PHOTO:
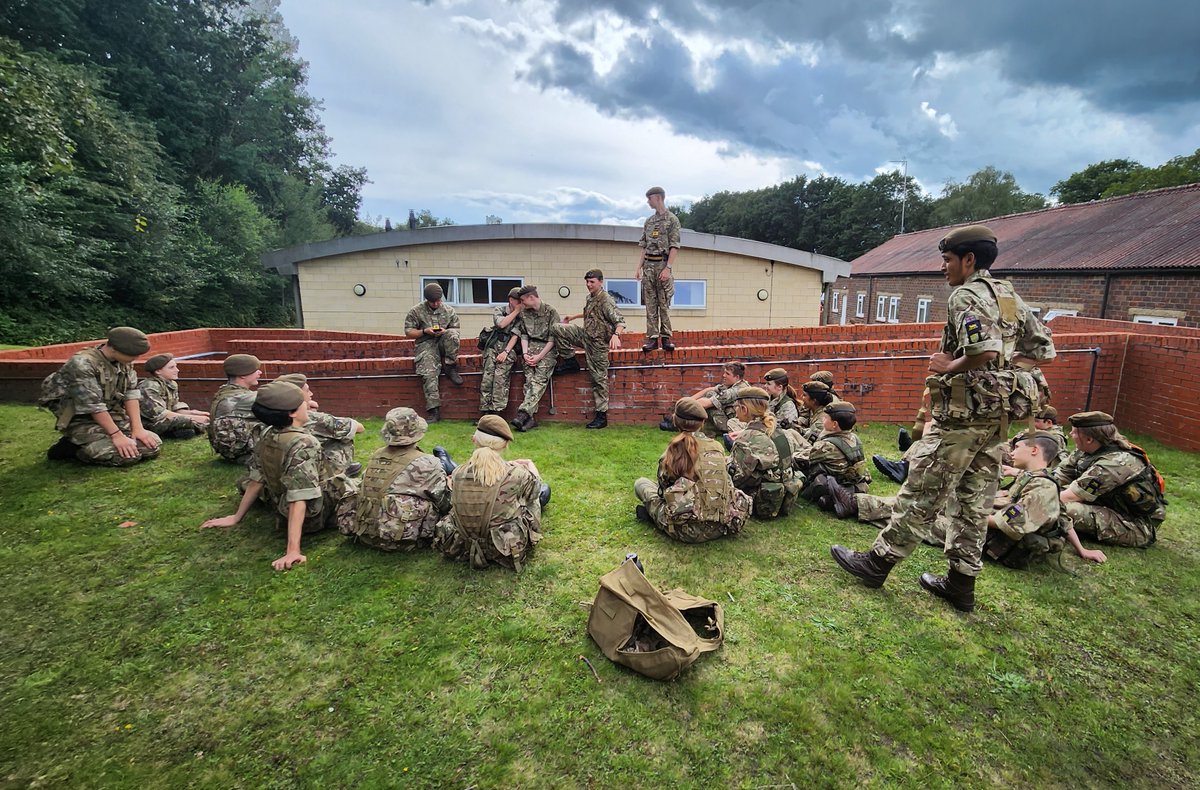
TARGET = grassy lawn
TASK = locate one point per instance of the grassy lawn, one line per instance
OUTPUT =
(159, 655)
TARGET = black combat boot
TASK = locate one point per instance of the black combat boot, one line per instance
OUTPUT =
(544, 495)
(63, 450)
(667, 424)
(452, 373)
(866, 565)
(892, 470)
(845, 503)
(957, 588)
(642, 513)
(519, 420)
(353, 469)
(528, 424)
(599, 421)
(568, 365)
(667, 344)
(904, 440)
(650, 344)
(433, 415)
(440, 453)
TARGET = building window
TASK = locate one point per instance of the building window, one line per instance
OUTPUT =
(893, 310)
(835, 304)
(922, 310)
(691, 294)
(475, 290)
(1157, 320)
(1055, 312)
(860, 306)
(881, 309)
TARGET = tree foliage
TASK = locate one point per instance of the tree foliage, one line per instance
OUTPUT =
(1174, 172)
(1093, 181)
(987, 193)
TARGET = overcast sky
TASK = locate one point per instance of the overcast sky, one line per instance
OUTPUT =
(568, 110)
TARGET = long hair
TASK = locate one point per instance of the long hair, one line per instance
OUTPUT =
(486, 464)
(1106, 436)
(756, 409)
(787, 388)
(679, 460)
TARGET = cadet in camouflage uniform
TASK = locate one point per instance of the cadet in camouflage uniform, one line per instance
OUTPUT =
(535, 327)
(694, 500)
(404, 491)
(496, 514)
(815, 395)
(837, 453)
(433, 325)
(1045, 422)
(600, 333)
(660, 245)
(990, 339)
(162, 410)
(1111, 491)
(336, 434)
(804, 418)
(758, 463)
(96, 401)
(286, 463)
(782, 403)
(499, 355)
(232, 428)
(719, 402)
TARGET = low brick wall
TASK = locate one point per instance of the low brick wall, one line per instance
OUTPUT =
(1146, 377)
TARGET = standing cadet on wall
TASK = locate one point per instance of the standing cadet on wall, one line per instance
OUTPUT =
(498, 356)
(660, 243)
(600, 333)
(990, 341)
(535, 327)
(433, 325)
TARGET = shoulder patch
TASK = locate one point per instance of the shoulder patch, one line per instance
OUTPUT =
(973, 329)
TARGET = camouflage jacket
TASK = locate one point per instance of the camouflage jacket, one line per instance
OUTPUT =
(601, 317)
(1029, 505)
(1111, 477)
(287, 461)
(534, 326)
(825, 456)
(159, 395)
(785, 411)
(660, 233)
(421, 317)
(326, 426)
(513, 529)
(233, 429)
(401, 505)
(724, 397)
(755, 459)
(87, 384)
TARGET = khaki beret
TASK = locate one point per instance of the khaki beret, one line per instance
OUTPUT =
(158, 362)
(1048, 413)
(433, 292)
(655, 191)
(494, 425)
(128, 340)
(689, 409)
(1091, 419)
(966, 234)
(299, 379)
(403, 427)
(281, 396)
(241, 364)
(514, 293)
(823, 376)
(776, 374)
(526, 290)
(752, 393)
(814, 386)
(840, 407)
(594, 274)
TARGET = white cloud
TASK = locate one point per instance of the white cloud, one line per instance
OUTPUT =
(945, 123)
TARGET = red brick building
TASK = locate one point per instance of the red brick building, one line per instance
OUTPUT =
(1130, 258)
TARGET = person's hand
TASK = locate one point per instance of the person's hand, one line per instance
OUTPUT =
(1010, 471)
(358, 426)
(614, 343)
(940, 362)
(637, 274)
(1093, 555)
(147, 438)
(312, 403)
(288, 561)
(126, 447)
(734, 435)
(531, 359)
(225, 521)
(502, 356)
(665, 274)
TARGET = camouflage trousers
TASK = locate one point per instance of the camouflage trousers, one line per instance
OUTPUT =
(689, 530)
(405, 523)
(877, 510)
(507, 545)
(428, 359)
(537, 379)
(493, 388)
(950, 464)
(233, 438)
(568, 336)
(656, 296)
(96, 447)
(1109, 526)
(180, 427)
(718, 423)
(335, 508)
(336, 455)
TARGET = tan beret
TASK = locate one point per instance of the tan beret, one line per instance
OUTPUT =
(964, 235)
(840, 407)
(689, 409)
(1091, 419)
(299, 379)
(655, 191)
(128, 340)
(281, 396)
(158, 362)
(594, 274)
(752, 393)
(823, 376)
(776, 374)
(814, 386)
(494, 425)
(241, 364)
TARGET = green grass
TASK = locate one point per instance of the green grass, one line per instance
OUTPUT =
(160, 655)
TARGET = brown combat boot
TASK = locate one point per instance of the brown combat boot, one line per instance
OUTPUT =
(957, 588)
(866, 565)
(845, 504)
(452, 373)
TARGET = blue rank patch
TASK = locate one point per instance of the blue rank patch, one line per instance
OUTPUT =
(973, 329)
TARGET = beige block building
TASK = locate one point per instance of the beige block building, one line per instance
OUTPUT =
(369, 283)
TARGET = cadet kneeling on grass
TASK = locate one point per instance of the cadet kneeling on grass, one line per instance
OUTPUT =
(287, 463)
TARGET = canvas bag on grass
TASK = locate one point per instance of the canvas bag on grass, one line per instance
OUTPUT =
(626, 597)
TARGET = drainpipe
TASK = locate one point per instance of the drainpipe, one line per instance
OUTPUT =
(1104, 302)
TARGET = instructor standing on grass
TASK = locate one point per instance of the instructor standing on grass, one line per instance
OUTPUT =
(660, 243)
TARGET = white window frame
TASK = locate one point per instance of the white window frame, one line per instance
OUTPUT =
(1055, 312)
(923, 309)
(1156, 320)
(860, 306)
(893, 316)
(833, 308)
(674, 304)
(881, 308)
(451, 293)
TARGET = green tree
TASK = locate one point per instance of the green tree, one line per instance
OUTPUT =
(1091, 182)
(1175, 172)
(987, 193)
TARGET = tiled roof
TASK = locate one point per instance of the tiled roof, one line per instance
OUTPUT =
(1149, 230)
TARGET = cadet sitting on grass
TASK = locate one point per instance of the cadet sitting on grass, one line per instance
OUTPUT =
(286, 462)
(97, 402)
(162, 410)
(694, 499)
(404, 490)
(760, 464)
(336, 434)
(232, 428)
(837, 453)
